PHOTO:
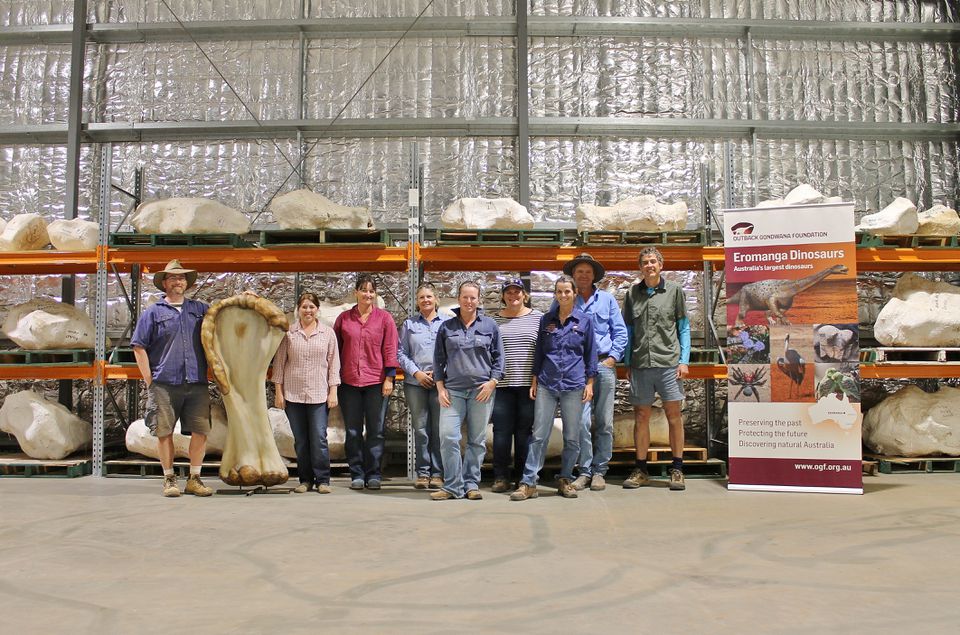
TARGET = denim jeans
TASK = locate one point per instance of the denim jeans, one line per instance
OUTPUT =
(595, 453)
(461, 477)
(364, 410)
(308, 421)
(424, 408)
(512, 426)
(570, 411)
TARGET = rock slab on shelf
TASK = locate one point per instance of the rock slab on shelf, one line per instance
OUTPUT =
(921, 313)
(44, 429)
(74, 235)
(24, 232)
(485, 213)
(637, 213)
(188, 216)
(303, 209)
(912, 422)
(45, 324)
(896, 219)
(939, 220)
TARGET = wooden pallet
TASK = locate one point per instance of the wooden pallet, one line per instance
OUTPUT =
(132, 239)
(909, 355)
(23, 466)
(904, 241)
(661, 454)
(696, 237)
(870, 468)
(918, 465)
(505, 237)
(57, 357)
(312, 237)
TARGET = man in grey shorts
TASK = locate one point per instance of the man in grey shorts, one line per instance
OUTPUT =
(659, 352)
(169, 354)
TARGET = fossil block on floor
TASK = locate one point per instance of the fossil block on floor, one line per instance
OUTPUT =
(912, 422)
(44, 429)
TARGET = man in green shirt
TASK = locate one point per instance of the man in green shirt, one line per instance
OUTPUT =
(659, 351)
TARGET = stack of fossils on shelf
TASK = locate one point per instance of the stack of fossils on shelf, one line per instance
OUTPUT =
(45, 324)
(29, 232)
(912, 422)
(803, 194)
(637, 213)
(44, 429)
(303, 209)
(921, 312)
(901, 218)
(485, 213)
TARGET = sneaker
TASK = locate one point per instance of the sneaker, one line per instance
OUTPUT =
(302, 488)
(474, 495)
(442, 495)
(500, 485)
(524, 492)
(170, 489)
(422, 482)
(196, 487)
(373, 483)
(566, 489)
(323, 488)
(581, 482)
(637, 478)
(676, 480)
(598, 483)
(356, 483)
(436, 482)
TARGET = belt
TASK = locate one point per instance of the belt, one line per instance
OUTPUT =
(602, 356)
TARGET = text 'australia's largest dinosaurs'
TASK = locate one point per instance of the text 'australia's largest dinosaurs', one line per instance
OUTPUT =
(775, 297)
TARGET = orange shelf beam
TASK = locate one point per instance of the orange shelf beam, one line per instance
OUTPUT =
(697, 371)
(910, 371)
(13, 263)
(28, 371)
(529, 258)
(904, 259)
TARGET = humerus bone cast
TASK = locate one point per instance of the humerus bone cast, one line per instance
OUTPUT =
(73, 235)
(240, 336)
(188, 216)
(638, 213)
(303, 209)
(24, 232)
(44, 324)
(44, 429)
(912, 422)
(921, 313)
(485, 213)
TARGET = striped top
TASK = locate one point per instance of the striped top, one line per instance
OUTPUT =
(305, 366)
(519, 337)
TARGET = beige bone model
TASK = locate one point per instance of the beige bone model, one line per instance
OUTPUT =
(240, 336)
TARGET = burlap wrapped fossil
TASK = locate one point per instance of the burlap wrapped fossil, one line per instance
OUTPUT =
(303, 209)
(637, 213)
(485, 213)
(939, 220)
(44, 429)
(240, 336)
(45, 324)
(74, 235)
(921, 313)
(912, 422)
(188, 216)
(24, 232)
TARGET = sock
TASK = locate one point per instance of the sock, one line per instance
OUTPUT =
(194, 470)
(642, 464)
(168, 471)
(677, 463)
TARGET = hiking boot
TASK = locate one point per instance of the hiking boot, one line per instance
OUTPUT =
(436, 482)
(524, 492)
(302, 488)
(500, 485)
(196, 487)
(356, 483)
(598, 483)
(422, 482)
(323, 488)
(676, 480)
(373, 483)
(442, 495)
(474, 495)
(637, 478)
(566, 489)
(170, 489)
(581, 482)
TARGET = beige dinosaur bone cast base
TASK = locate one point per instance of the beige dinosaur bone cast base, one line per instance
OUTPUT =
(240, 336)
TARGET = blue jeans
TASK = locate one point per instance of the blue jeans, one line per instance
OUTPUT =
(364, 410)
(459, 478)
(425, 414)
(595, 453)
(308, 421)
(512, 426)
(570, 411)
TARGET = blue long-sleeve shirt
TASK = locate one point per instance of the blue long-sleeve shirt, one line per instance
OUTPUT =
(466, 356)
(418, 338)
(565, 355)
(609, 329)
(171, 339)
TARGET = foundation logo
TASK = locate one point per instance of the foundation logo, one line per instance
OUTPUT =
(742, 229)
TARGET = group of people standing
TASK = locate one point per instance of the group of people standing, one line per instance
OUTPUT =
(515, 368)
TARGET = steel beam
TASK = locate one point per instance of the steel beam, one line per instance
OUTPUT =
(523, 105)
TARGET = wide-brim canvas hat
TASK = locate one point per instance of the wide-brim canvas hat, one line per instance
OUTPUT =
(173, 267)
(598, 270)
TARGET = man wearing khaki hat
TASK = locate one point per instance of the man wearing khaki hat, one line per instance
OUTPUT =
(169, 354)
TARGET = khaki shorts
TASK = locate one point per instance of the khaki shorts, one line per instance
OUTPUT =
(166, 403)
(646, 382)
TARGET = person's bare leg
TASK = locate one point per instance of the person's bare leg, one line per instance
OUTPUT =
(641, 430)
(165, 451)
(198, 447)
(675, 423)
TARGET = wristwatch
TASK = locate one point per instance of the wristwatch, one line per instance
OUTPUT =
(496, 382)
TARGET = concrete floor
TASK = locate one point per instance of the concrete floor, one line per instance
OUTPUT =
(112, 556)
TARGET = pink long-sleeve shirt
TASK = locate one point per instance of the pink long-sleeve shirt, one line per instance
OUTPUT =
(367, 350)
(307, 366)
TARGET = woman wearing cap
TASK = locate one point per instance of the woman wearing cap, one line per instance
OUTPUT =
(306, 373)
(367, 336)
(513, 408)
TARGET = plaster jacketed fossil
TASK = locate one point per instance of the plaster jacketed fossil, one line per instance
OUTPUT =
(240, 335)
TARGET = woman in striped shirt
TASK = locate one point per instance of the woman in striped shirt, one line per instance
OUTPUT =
(306, 373)
(513, 408)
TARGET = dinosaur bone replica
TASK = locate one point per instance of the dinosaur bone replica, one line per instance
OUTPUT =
(912, 422)
(24, 232)
(240, 336)
(74, 235)
(45, 324)
(44, 429)
(921, 313)
(803, 194)
(637, 213)
(485, 213)
(303, 209)
(188, 216)
(897, 218)
(775, 297)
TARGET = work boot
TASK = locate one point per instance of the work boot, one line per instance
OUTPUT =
(637, 478)
(566, 489)
(676, 480)
(442, 495)
(500, 485)
(422, 482)
(524, 492)
(474, 495)
(597, 483)
(170, 489)
(323, 488)
(436, 482)
(196, 487)
(302, 488)
(581, 482)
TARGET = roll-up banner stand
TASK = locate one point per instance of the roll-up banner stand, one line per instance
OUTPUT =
(793, 349)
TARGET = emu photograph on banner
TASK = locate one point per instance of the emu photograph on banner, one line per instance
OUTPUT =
(793, 349)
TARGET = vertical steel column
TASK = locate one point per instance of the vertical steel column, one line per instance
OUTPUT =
(301, 113)
(709, 341)
(523, 105)
(100, 315)
(752, 114)
(133, 385)
(413, 273)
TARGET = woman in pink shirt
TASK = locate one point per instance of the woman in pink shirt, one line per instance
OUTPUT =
(367, 336)
(306, 373)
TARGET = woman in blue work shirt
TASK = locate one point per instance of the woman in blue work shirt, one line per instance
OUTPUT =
(564, 367)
